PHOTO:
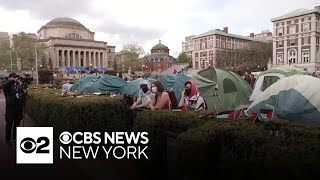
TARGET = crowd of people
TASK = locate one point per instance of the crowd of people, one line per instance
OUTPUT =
(154, 96)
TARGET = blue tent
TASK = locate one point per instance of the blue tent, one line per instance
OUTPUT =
(71, 70)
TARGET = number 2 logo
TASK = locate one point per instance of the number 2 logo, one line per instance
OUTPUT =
(29, 145)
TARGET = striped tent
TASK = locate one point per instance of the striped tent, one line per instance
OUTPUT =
(294, 98)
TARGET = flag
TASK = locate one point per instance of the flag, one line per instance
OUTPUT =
(231, 115)
(184, 108)
(270, 115)
(253, 117)
(174, 71)
(235, 114)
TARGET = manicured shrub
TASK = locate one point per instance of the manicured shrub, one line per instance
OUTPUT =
(94, 113)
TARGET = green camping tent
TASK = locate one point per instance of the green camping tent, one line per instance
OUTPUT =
(271, 76)
(222, 90)
(294, 98)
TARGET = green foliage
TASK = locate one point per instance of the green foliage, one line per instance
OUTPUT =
(24, 49)
(183, 58)
(129, 57)
(94, 113)
(5, 62)
(244, 140)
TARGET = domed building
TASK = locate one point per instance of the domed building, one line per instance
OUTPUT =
(159, 59)
(71, 44)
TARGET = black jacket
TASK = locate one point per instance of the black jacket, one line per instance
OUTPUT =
(10, 92)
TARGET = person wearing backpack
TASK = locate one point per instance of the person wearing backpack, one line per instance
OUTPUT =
(191, 98)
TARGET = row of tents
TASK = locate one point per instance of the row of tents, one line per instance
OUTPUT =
(286, 90)
(222, 90)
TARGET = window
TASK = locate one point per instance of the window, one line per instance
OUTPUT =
(305, 40)
(305, 57)
(268, 81)
(292, 42)
(280, 43)
(280, 58)
(318, 26)
(229, 86)
(292, 56)
(305, 27)
(317, 40)
(203, 45)
(218, 43)
(292, 29)
(73, 36)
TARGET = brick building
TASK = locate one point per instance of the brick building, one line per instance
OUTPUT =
(296, 39)
(159, 59)
(219, 48)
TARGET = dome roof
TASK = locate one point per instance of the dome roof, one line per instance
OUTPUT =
(65, 21)
(160, 46)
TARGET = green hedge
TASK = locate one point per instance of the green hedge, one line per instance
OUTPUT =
(258, 149)
(94, 113)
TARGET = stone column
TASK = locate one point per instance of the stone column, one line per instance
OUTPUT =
(299, 52)
(63, 59)
(313, 51)
(104, 60)
(57, 59)
(68, 58)
(98, 64)
(79, 58)
(90, 62)
(94, 59)
(85, 58)
(73, 58)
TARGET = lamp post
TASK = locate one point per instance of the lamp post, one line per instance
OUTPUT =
(36, 51)
(32, 72)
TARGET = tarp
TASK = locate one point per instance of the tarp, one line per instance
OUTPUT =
(175, 81)
(82, 81)
(132, 88)
(294, 98)
(222, 90)
(102, 84)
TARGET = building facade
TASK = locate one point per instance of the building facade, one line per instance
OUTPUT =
(4, 38)
(70, 44)
(187, 46)
(296, 39)
(159, 59)
(264, 35)
(219, 48)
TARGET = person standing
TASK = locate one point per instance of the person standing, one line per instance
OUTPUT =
(14, 107)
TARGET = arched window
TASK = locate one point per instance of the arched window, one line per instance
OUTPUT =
(292, 56)
(73, 36)
(229, 86)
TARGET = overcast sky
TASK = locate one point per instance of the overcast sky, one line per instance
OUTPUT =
(146, 21)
